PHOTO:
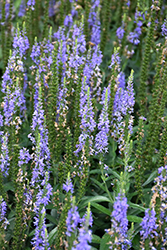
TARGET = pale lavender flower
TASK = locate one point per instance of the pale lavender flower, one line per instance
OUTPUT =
(20, 44)
(14, 100)
(31, 4)
(1, 120)
(164, 28)
(93, 61)
(101, 140)
(77, 57)
(68, 21)
(3, 207)
(51, 7)
(120, 32)
(160, 190)
(68, 186)
(40, 240)
(119, 224)
(4, 157)
(123, 106)
(121, 80)
(72, 221)
(88, 123)
(85, 234)
(134, 37)
(40, 140)
(149, 225)
(22, 8)
(94, 22)
(35, 54)
(115, 61)
(7, 9)
(24, 156)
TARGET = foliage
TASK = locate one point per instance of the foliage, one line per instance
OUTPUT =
(83, 125)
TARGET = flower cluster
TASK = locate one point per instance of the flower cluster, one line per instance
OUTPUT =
(40, 141)
(4, 157)
(84, 234)
(123, 108)
(22, 8)
(119, 224)
(120, 32)
(164, 28)
(149, 225)
(68, 186)
(3, 207)
(94, 22)
(101, 140)
(14, 100)
(88, 123)
(40, 240)
(134, 37)
(160, 192)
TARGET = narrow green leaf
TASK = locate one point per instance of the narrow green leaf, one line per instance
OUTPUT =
(99, 184)
(32, 233)
(9, 186)
(93, 248)
(101, 208)
(97, 198)
(134, 218)
(150, 178)
(95, 171)
(95, 239)
(104, 244)
(51, 218)
(52, 235)
(136, 206)
(114, 173)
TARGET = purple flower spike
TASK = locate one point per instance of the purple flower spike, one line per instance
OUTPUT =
(51, 7)
(22, 9)
(123, 106)
(88, 123)
(119, 224)
(85, 234)
(164, 28)
(94, 22)
(40, 240)
(4, 157)
(31, 4)
(68, 186)
(149, 225)
(120, 33)
(101, 140)
(3, 207)
(72, 221)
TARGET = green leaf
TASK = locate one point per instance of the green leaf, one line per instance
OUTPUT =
(99, 184)
(9, 186)
(51, 218)
(133, 205)
(150, 178)
(32, 233)
(17, 4)
(110, 171)
(52, 235)
(104, 244)
(134, 218)
(95, 239)
(97, 198)
(95, 171)
(101, 208)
